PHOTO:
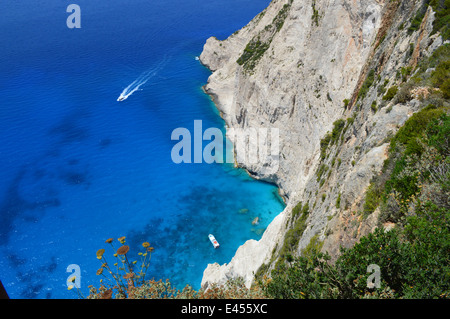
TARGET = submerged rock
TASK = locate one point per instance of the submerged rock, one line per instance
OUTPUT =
(243, 211)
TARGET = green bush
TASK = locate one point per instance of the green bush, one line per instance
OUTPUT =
(279, 19)
(414, 257)
(313, 248)
(253, 52)
(331, 137)
(338, 126)
(413, 264)
(382, 88)
(390, 93)
(297, 209)
(416, 22)
(438, 133)
(322, 169)
(404, 94)
(427, 236)
(256, 48)
(294, 234)
(346, 102)
(315, 15)
(338, 201)
(372, 198)
(442, 17)
(440, 78)
(406, 72)
(366, 85)
(414, 127)
(373, 106)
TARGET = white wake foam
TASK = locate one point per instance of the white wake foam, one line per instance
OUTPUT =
(141, 80)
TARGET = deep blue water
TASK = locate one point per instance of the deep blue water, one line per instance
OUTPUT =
(78, 167)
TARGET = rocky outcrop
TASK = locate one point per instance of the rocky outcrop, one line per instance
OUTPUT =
(291, 68)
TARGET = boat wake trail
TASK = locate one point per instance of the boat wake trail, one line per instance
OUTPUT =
(141, 80)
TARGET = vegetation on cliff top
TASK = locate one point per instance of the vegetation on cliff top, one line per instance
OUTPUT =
(414, 257)
(257, 46)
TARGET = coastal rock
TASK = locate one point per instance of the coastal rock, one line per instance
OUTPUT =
(290, 69)
(291, 86)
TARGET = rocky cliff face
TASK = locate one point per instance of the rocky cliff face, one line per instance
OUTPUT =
(314, 69)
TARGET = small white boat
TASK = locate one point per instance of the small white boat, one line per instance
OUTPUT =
(121, 98)
(213, 241)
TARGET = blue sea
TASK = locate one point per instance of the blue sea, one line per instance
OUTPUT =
(79, 167)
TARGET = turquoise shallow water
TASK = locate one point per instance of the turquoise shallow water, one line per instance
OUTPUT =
(78, 167)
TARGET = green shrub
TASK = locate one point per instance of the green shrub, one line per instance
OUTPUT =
(324, 142)
(414, 128)
(414, 257)
(315, 15)
(297, 209)
(430, 126)
(390, 93)
(366, 85)
(313, 248)
(338, 126)
(338, 201)
(438, 133)
(380, 248)
(440, 78)
(373, 106)
(331, 137)
(294, 234)
(305, 278)
(253, 52)
(440, 55)
(414, 263)
(256, 48)
(346, 102)
(442, 17)
(322, 169)
(404, 94)
(445, 88)
(382, 88)
(416, 22)
(372, 198)
(406, 72)
(279, 19)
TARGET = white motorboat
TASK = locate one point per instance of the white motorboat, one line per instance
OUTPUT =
(213, 241)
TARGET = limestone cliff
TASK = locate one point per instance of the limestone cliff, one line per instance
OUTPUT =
(304, 67)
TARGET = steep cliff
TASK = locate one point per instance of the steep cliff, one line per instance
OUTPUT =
(319, 72)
